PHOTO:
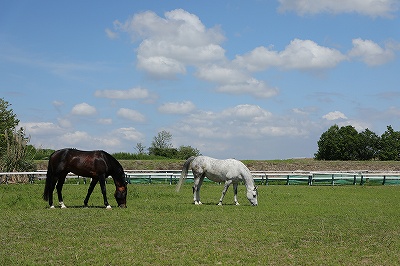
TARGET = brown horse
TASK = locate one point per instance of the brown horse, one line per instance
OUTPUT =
(97, 165)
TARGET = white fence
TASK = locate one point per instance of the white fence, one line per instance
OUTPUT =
(261, 177)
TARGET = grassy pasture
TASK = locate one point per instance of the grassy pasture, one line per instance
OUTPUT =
(293, 225)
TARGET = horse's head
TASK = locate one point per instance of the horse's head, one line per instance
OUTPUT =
(120, 195)
(252, 196)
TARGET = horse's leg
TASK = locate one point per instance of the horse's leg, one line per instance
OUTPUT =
(235, 187)
(59, 187)
(102, 181)
(226, 186)
(198, 180)
(52, 187)
(90, 190)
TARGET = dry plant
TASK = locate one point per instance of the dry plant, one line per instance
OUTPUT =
(17, 157)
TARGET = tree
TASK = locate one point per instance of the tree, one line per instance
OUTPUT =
(327, 146)
(338, 144)
(369, 145)
(162, 140)
(162, 146)
(184, 152)
(14, 155)
(389, 145)
(140, 148)
(8, 123)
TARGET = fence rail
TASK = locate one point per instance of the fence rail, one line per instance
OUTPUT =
(261, 177)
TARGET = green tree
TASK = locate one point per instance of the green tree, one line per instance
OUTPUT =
(368, 145)
(338, 144)
(162, 146)
(184, 152)
(389, 145)
(327, 144)
(8, 123)
(14, 154)
(140, 148)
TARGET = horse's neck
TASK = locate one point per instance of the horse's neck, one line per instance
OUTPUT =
(249, 183)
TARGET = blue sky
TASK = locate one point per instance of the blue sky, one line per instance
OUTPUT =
(242, 79)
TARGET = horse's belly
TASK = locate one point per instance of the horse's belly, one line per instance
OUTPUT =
(221, 177)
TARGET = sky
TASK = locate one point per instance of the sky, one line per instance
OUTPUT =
(254, 79)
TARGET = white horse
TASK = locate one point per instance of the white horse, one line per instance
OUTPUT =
(230, 171)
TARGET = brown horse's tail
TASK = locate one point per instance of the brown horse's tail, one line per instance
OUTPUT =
(47, 186)
(49, 181)
(184, 172)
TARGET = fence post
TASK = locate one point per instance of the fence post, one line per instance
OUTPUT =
(362, 180)
(287, 180)
(384, 180)
(310, 180)
(355, 180)
(333, 180)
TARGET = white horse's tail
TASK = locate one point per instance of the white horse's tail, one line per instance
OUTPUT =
(184, 172)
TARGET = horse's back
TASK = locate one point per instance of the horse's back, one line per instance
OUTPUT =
(220, 170)
(84, 163)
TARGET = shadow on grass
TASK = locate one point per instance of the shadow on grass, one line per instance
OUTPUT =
(80, 207)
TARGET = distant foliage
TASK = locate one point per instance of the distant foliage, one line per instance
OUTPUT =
(345, 143)
(161, 146)
(16, 157)
(14, 154)
(389, 145)
(135, 156)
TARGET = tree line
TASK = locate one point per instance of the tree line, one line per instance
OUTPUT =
(346, 143)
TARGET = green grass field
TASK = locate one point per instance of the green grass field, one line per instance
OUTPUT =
(293, 225)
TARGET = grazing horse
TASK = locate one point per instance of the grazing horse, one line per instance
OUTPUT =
(230, 171)
(97, 165)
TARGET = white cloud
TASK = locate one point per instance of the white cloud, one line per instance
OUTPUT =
(129, 133)
(131, 94)
(74, 138)
(57, 103)
(371, 53)
(83, 109)
(41, 128)
(373, 8)
(235, 81)
(241, 121)
(130, 114)
(334, 116)
(111, 34)
(86, 141)
(221, 74)
(299, 54)
(161, 66)
(247, 112)
(105, 121)
(251, 86)
(170, 43)
(177, 107)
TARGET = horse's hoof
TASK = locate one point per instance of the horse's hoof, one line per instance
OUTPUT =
(237, 203)
(108, 207)
(219, 204)
(52, 207)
